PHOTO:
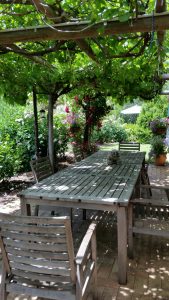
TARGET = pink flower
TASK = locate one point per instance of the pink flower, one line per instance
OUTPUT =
(67, 109)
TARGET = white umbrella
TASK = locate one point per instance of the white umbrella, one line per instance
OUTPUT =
(135, 109)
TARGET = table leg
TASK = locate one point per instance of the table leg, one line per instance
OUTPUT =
(130, 230)
(122, 244)
(25, 208)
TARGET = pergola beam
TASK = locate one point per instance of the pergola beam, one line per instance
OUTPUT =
(82, 30)
(29, 2)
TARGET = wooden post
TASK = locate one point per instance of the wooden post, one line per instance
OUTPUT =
(50, 132)
(35, 122)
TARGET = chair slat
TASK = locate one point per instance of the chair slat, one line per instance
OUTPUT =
(39, 270)
(61, 239)
(37, 254)
(33, 229)
(33, 220)
(126, 146)
(36, 246)
(39, 261)
(42, 277)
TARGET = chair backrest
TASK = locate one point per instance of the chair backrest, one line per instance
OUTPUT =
(38, 248)
(41, 168)
(129, 146)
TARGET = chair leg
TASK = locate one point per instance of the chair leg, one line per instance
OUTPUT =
(36, 210)
(145, 180)
(84, 214)
(167, 194)
(3, 292)
(71, 217)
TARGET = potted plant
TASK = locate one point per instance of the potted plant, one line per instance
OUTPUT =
(159, 150)
(159, 126)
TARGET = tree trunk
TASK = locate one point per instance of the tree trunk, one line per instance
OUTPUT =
(86, 134)
(35, 122)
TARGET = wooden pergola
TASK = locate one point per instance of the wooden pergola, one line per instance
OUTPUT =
(78, 31)
(83, 30)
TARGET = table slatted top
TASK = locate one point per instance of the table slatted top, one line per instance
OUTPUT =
(126, 157)
(89, 181)
(101, 167)
(99, 189)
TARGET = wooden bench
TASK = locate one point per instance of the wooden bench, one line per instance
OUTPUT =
(38, 258)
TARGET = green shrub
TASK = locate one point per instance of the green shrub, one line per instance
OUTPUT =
(137, 133)
(151, 110)
(10, 159)
(17, 144)
(130, 118)
(61, 137)
(110, 132)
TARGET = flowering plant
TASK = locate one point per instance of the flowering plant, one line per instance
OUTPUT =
(72, 119)
(157, 124)
(158, 146)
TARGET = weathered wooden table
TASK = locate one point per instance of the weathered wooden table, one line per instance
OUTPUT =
(92, 184)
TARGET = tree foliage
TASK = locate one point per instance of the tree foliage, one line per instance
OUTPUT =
(116, 61)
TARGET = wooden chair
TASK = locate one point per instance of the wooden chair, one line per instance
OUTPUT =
(129, 146)
(148, 216)
(38, 258)
(126, 146)
(41, 168)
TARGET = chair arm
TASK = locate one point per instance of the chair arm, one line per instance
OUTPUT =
(150, 202)
(162, 187)
(86, 263)
(85, 244)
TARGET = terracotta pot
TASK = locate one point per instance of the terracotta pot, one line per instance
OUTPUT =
(160, 160)
(160, 131)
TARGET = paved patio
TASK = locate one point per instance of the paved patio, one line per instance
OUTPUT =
(148, 272)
